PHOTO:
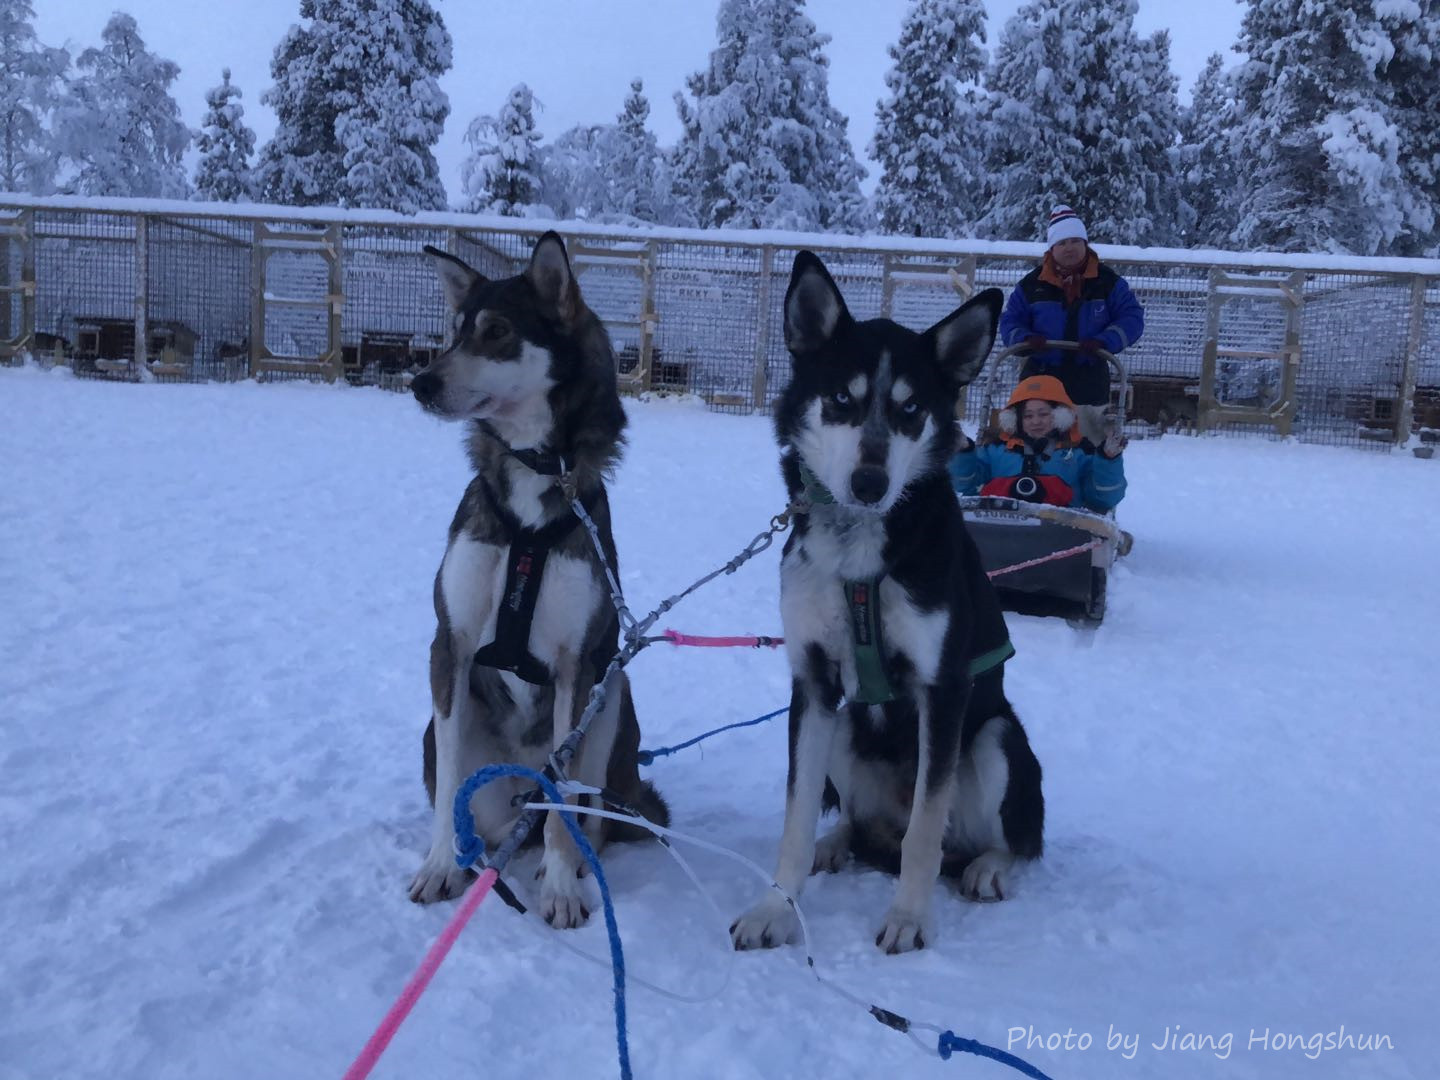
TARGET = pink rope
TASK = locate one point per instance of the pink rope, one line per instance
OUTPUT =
(1091, 546)
(421, 979)
(677, 638)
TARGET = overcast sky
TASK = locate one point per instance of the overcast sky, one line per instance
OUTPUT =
(578, 56)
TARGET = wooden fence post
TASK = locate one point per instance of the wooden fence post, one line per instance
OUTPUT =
(760, 381)
(1405, 417)
(142, 298)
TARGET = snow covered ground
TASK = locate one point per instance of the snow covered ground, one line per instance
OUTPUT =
(213, 655)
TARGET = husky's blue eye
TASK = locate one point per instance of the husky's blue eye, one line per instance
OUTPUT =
(910, 408)
(840, 397)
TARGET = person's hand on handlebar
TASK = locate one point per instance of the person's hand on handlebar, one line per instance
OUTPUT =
(1089, 349)
(1036, 342)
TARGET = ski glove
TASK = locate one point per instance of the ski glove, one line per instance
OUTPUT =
(1089, 349)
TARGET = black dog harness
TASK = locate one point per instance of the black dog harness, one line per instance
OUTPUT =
(524, 571)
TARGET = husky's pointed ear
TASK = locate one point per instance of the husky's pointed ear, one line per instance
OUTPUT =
(549, 273)
(455, 277)
(962, 339)
(813, 305)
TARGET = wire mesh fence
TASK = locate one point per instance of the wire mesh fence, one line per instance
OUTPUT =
(1344, 354)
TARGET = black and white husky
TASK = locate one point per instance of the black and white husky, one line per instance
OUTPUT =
(532, 372)
(895, 639)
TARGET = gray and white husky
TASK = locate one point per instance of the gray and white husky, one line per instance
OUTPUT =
(532, 373)
(895, 638)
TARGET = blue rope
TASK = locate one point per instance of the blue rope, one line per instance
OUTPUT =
(950, 1042)
(469, 847)
(646, 757)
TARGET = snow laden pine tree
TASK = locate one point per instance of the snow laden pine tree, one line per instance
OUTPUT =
(927, 130)
(1158, 133)
(1320, 136)
(603, 172)
(120, 129)
(386, 141)
(1207, 170)
(387, 134)
(1080, 113)
(640, 181)
(226, 145)
(611, 172)
(301, 164)
(572, 176)
(358, 106)
(32, 87)
(1413, 80)
(713, 171)
(762, 145)
(809, 133)
(501, 174)
(634, 167)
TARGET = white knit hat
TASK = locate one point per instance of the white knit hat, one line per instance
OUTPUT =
(1064, 223)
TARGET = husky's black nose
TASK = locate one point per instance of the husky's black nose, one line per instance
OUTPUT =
(869, 483)
(426, 387)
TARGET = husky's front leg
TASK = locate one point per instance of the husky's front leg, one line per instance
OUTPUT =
(439, 878)
(772, 921)
(908, 921)
(563, 901)
(454, 719)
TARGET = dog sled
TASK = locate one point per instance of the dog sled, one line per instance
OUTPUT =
(1045, 559)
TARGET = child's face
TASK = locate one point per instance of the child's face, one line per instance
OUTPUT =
(1037, 418)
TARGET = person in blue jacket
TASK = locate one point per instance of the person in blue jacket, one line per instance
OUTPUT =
(1041, 456)
(1073, 296)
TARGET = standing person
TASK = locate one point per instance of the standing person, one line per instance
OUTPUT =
(1073, 296)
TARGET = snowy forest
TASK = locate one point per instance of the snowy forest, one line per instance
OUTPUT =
(1316, 134)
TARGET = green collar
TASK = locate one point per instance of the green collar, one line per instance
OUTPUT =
(815, 491)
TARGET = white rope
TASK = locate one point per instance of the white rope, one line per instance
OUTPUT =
(605, 961)
(661, 830)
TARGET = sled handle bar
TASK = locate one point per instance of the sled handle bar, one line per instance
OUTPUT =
(1012, 350)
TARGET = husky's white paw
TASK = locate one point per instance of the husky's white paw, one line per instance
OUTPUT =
(439, 879)
(564, 910)
(986, 878)
(769, 923)
(563, 902)
(832, 850)
(903, 930)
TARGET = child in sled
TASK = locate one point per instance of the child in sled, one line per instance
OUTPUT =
(1039, 455)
